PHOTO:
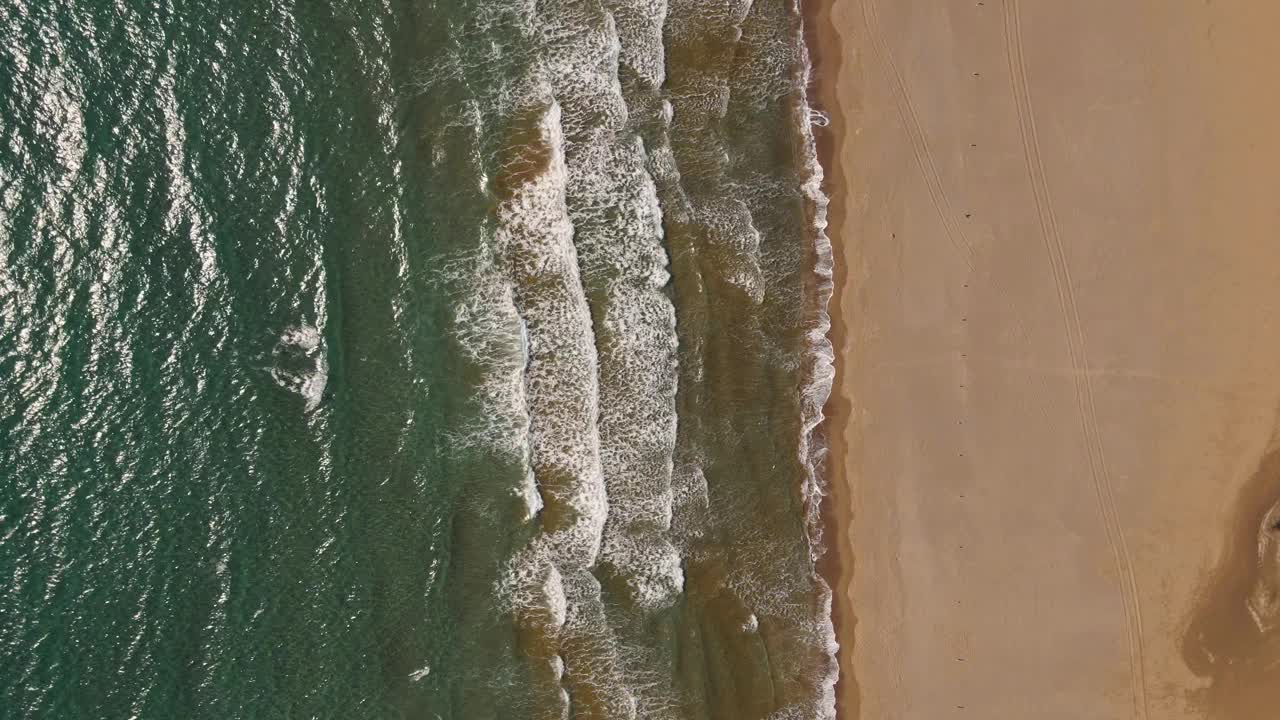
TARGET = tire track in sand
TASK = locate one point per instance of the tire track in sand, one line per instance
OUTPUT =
(916, 136)
(1098, 467)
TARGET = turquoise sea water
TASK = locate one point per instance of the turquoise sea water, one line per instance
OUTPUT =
(449, 359)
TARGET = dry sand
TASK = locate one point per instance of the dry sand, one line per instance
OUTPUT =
(1059, 336)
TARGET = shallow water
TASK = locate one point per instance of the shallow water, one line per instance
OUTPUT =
(416, 359)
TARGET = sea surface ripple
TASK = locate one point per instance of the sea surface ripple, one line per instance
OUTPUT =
(456, 360)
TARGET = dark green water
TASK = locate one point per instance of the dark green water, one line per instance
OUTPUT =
(449, 359)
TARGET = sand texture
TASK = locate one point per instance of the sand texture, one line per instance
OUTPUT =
(1056, 465)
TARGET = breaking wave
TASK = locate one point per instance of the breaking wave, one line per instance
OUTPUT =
(647, 323)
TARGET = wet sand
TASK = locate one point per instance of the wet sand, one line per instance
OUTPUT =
(1054, 464)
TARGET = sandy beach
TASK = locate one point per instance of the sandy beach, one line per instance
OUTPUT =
(1054, 442)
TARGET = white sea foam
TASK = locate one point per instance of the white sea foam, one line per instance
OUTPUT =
(819, 373)
(530, 500)
(591, 222)
(581, 252)
(770, 69)
(619, 238)
(301, 364)
(640, 24)
(535, 238)
(487, 337)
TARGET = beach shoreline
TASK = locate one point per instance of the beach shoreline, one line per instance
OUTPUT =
(828, 63)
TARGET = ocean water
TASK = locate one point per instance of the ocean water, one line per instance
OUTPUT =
(442, 359)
